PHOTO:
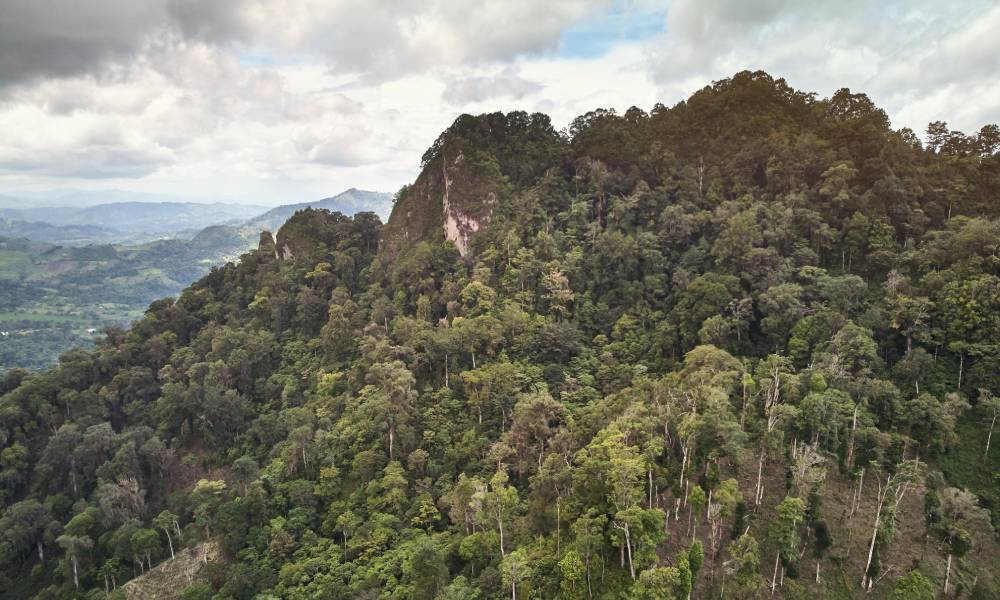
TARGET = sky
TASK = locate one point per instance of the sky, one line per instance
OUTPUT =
(278, 101)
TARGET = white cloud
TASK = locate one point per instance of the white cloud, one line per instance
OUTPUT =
(905, 55)
(275, 101)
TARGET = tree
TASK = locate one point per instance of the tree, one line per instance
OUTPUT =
(932, 422)
(572, 573)
(790, 512)
(498, 504)
(960, 516)
(206, 497)
(75, 546)
(992, 403)
(425, 569)
(459, 589)
(514, 569)
(23, 528)
(145, 543)
(557, 291)
(395, 395)
(727, 496)
(890, 493)
(697, 500)
(821, 542)
(167, 521)
(696, 557)
(588, 535)
(660, 583)
(109, 571)
(245, 471)
(776, 376)
(744, 566)
(913, 586)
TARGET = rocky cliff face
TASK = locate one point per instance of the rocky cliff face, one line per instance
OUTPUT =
(464, 176)
(468, 200)
(452, 198)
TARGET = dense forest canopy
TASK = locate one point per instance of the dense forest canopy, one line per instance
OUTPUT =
(742, 346)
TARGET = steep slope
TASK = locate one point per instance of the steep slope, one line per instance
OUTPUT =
(741, 347)
(465, 173)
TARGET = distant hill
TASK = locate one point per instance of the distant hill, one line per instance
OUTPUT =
(349, 202)
(245, 235)
(133, 220)
(69, 235)
(58, 282)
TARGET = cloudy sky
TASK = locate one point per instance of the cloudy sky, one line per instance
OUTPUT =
(273, 101)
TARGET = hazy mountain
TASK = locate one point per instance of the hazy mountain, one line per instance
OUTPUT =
(59, 281)
(349, 203)
(69, 235)
(144, 221)
(135, 218)
(77, 198)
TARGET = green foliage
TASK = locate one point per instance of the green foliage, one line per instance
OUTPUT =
(913, 586)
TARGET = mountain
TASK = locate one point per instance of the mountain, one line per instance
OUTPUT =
(348, 202)
(76, 279)
(740, 347)
(135, 220)
(71, 235)
(77, 198)
(146, 221)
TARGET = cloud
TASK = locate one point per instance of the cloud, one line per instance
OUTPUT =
(280, 100)
(905, 55)
(89, 150)
(61, 38)
(56, 38)
(507, 84)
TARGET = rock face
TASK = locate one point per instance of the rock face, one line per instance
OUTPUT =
(452, 198)
(465, 174)
(467, 202)
(268, 244)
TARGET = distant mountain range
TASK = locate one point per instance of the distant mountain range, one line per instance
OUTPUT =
(88, 267)
(140, 222)
(119, 221)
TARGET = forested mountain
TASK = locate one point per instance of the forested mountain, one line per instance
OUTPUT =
(744, 346)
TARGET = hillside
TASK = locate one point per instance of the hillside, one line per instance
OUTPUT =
(741, 347)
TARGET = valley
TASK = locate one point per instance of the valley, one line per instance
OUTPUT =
(55, 295)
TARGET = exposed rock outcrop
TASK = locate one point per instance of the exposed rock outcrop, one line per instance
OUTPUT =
(465, 174)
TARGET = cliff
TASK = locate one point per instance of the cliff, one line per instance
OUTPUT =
(466, 173)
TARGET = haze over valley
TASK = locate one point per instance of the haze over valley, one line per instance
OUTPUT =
(68, 271)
